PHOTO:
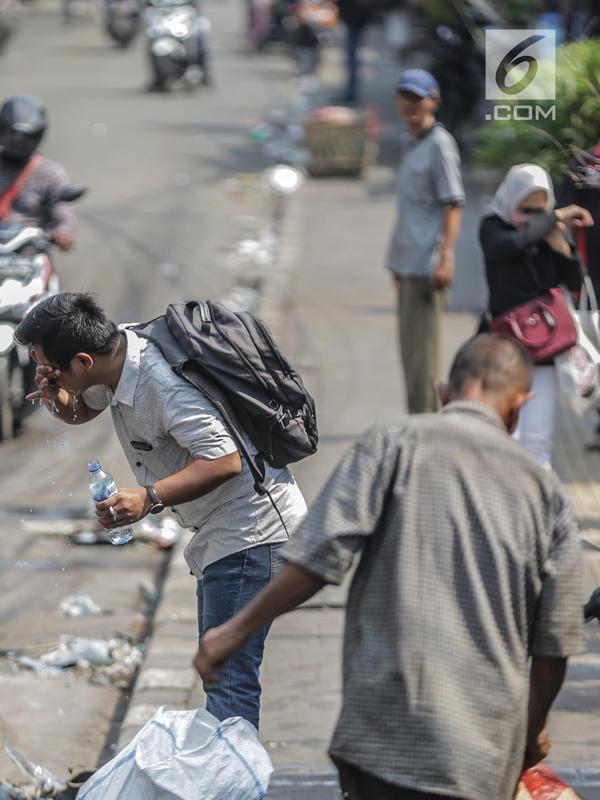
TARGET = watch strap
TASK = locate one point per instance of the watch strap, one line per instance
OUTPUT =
(152, 494)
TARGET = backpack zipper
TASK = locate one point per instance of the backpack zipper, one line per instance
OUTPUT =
(262, 328)
(204, 312)
(243, 358)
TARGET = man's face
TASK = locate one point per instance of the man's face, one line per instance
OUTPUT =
(415, 110)
(75, 379)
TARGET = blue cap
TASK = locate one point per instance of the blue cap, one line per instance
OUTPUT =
(419, 82)
(94, 466)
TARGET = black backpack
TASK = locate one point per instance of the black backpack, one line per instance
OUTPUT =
(233, 360)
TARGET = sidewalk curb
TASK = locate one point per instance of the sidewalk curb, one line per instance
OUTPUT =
(166, 677)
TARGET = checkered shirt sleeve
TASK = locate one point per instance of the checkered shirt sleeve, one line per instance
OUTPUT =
(347, 511)
(557, 628)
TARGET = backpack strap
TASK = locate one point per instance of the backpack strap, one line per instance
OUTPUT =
(256, 464)
(10, 195)
(190, 373)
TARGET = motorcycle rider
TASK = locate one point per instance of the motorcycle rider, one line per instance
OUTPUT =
(23, 123)
(202, 57)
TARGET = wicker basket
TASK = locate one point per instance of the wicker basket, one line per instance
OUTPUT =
(340, 149)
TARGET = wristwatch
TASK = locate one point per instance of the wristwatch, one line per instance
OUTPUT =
(157, 504)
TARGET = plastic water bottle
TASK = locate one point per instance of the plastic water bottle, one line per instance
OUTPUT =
(102, 486)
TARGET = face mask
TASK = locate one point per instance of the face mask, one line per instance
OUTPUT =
(518, 218)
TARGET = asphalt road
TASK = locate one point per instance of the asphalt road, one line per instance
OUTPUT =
(154, 228)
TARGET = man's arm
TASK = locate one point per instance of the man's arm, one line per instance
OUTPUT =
(557, 629)
(345, 515)
(443, 273)
(197, 479)
(70, 409)
(546, 678)
(450, 194)
(292, 587)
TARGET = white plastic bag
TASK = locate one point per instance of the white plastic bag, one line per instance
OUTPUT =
(578, 372)
(588, 313)
(578, 369)
(185, 755)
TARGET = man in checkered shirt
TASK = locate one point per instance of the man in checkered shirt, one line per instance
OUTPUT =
(466, 601)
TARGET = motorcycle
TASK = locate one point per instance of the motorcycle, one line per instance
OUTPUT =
(456, 50)
(122, 20)
(27, 276)
(314, 21)
(177, 34)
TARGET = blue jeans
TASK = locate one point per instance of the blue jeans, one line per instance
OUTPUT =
(226, 587)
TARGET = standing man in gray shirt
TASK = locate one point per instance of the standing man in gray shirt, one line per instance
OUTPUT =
(182, 456)
(466, 601)
(421, 253)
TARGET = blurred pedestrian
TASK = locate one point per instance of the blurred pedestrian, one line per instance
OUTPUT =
(259, 16)
(421, 255)
(31, 184)
(182, 455)
(528, 250)
(469, 567)
(356, 15)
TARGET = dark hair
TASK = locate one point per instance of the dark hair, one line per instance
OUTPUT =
(498, 363)
(66, 324)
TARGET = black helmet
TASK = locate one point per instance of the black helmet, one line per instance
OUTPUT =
(23, 122)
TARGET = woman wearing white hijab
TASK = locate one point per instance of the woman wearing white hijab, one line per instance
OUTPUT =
(528, 251)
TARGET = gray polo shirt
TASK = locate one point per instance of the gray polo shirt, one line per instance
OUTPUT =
(469, 563)
(428, 179)
(164, 424)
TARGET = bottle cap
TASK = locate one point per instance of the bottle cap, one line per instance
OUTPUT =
(94, 466)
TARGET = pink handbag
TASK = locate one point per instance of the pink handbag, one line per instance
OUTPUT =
(544, 326)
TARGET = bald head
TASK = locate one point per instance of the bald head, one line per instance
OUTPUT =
(496, 365)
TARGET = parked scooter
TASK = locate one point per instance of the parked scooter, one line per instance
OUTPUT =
(177, 33)
(27, 276)
(122, 20)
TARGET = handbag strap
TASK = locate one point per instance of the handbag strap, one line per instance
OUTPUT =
(588, 299)
(10, 195)
(581, 242)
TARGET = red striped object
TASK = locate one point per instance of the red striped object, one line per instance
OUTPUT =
(542, 783)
